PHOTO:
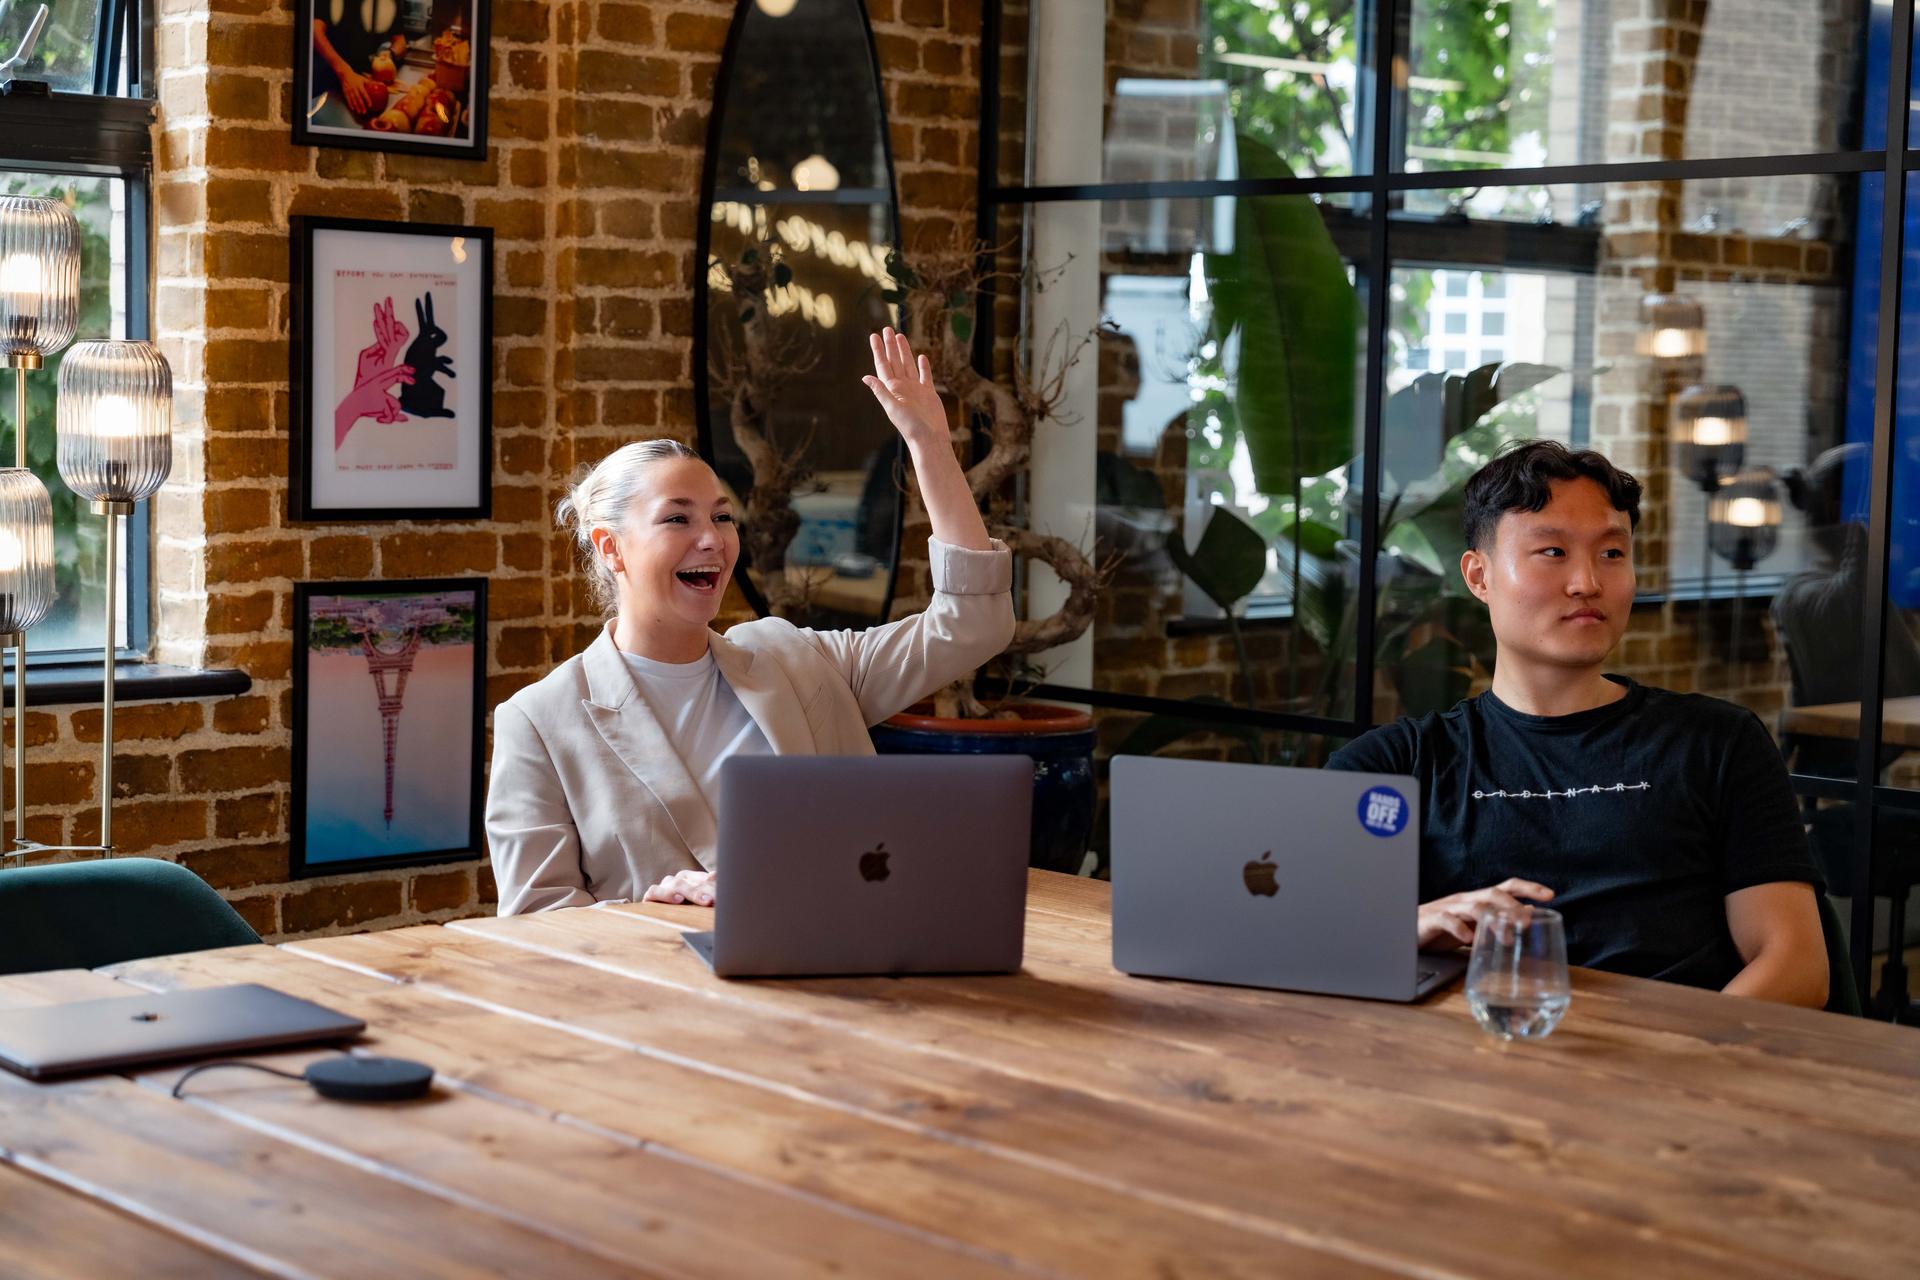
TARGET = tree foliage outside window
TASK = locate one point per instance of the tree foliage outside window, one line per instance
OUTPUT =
(64, 54)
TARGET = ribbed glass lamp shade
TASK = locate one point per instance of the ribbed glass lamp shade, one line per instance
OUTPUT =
(115, 420)
(26, 550)
(39, 277)
(1673, 327)
(1743, 518)
(1710, 432)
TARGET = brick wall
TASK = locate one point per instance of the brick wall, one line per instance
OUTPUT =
(598, 123)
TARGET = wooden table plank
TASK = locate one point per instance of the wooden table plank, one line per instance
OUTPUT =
(1900, 720)
(279, 1208)
(873, 1167)
(621, 1195)
(50, 1233)
(1570, 1157)
(606, 1105)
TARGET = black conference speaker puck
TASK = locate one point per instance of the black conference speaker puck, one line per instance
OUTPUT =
(359, 1079)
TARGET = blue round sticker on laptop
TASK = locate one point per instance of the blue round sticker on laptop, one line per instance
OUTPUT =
(1383, 812)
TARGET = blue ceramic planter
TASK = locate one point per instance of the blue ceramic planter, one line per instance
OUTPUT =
(1059, 739)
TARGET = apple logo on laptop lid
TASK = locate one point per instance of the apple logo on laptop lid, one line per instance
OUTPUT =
(873, 864)
(1259, 876)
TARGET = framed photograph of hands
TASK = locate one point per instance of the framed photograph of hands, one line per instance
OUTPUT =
(392, 75)
(392, 365)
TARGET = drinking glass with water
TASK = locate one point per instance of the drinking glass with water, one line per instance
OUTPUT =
(1517, 979)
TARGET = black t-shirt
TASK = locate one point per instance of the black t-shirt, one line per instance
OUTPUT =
(1641, 816)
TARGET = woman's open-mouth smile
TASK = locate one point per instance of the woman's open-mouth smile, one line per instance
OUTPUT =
(703, 578)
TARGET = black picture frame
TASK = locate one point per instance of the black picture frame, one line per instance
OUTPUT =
(364, 488)
(323, 123)
(468, 845)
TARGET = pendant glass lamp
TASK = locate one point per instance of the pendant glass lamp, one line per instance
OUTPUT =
(1710, 433)
(26, 551)
(1673, 327)
(39, 279)
(1743, 519)
(115, 420)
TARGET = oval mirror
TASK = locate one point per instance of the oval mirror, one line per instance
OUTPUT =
(797, 219)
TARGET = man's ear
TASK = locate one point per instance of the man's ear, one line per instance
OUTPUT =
(1473, 570)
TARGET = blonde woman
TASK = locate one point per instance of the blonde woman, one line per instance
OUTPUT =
(606, 773)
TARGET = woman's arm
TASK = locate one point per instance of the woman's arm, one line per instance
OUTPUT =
(530, 831)
(904, 388)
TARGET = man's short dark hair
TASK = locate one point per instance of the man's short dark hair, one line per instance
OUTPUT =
(1521, 479)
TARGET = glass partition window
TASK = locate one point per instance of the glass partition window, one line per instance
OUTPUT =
(1515, 84)
(1650, 229)
(1503, 331)
(1184, 81)
(1230, 363)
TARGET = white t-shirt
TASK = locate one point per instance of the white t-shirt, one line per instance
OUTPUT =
(706, 723)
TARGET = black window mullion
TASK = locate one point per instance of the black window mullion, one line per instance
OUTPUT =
(1385, 20)
(109, 44)
(1880, 497)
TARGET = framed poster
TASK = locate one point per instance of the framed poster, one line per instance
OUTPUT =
(392, 368)
(392, 75)
(389, 686)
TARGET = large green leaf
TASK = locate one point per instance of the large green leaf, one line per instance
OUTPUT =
(1284, 289)
(1229, 560)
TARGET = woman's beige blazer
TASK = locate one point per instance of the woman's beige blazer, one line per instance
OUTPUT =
(587, 798)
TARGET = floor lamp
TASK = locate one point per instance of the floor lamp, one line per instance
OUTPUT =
(115, 450)
(1743, 525)
(1710, 428)
(39, 308)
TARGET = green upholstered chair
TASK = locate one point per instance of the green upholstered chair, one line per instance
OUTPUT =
(81, 915)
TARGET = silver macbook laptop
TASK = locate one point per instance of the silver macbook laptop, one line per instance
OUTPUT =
(1299, 879)
(870, 865)
(121, 1031)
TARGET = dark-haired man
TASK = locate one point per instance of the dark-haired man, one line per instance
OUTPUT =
(1661, 825)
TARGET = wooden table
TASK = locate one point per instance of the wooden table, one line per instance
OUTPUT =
(1899, 724)
(605, 1107)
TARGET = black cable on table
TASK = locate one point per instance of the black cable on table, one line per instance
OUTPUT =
(231, 1062)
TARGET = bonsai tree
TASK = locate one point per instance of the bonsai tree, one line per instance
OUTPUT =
(935, 290)
(751, 365)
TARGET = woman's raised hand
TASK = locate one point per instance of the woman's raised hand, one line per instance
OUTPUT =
(904, 387)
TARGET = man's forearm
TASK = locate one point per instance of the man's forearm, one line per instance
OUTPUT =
(1784, 974)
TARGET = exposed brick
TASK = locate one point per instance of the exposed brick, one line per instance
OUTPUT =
(229, 613)
(242, 715)
(253, 559)
(605, 71)
(140, 721)
(62, 782)
(697, 32)
(244, 510)
(141, 775)
(258, 815)
(239, 866)
(260, 910)
(340, 558)
(144, 825)
(218, 769)
(441, 890)
(431, 553)
(331, 906)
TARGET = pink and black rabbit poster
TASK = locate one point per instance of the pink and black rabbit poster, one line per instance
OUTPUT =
(392, 358)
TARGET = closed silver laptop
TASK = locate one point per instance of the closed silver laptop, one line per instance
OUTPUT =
(870, 865)
(122, 1031)
(1297, 879)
